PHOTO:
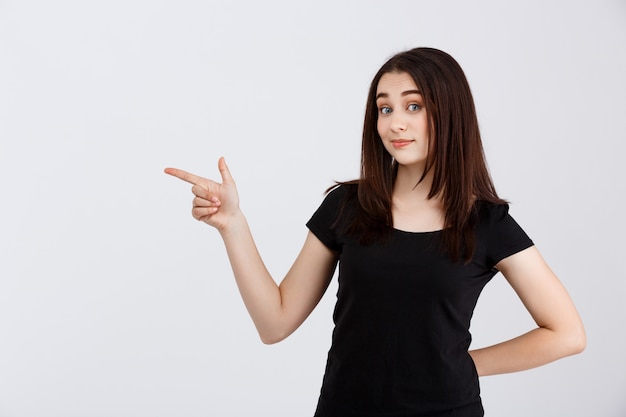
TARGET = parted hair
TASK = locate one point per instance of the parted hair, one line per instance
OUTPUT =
(456, 157)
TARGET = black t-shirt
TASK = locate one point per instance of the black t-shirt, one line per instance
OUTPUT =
(401, 337)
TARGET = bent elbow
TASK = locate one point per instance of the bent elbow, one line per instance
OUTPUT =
(275, 331)
(577, 341)
(580, 342)
(271, 338)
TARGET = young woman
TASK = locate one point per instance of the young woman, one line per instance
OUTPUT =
(416, 238)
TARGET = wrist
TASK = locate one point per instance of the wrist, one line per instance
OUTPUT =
(236, 223)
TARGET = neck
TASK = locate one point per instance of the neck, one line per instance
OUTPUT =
(406, 182)
(411, 208)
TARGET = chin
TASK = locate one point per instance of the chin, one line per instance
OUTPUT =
(411, 162)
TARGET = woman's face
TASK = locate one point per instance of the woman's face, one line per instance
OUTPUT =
(402, 119)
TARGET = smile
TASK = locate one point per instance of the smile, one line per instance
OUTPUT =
(400, 143)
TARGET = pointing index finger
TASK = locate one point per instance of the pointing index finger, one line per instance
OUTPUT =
(184, 175)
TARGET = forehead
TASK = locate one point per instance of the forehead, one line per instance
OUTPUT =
(398, 82)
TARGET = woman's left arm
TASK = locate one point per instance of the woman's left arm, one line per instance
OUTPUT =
(560, 331)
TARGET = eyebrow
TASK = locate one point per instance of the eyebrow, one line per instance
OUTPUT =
(404, 93)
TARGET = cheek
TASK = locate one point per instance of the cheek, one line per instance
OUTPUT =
(380, 126)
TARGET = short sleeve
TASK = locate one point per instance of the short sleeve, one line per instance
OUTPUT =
(323, 220)
(500, 234)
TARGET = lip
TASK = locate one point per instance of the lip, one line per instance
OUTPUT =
(401, 143)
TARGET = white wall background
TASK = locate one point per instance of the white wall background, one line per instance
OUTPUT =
(115, 302)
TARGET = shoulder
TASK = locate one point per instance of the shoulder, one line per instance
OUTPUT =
(339, 203)
(494, 218)
(325, 221)
(497, 232)
(343, 189)
(488, 212)
(340, 194)
(334, 201)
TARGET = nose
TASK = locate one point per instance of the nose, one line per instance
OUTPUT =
(398, 122)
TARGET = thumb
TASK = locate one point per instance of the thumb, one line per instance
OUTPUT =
(224, 172)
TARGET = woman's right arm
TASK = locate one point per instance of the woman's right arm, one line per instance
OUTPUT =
(276, 310)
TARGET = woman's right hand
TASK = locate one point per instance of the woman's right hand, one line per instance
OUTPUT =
(276, 310)
(214, 203)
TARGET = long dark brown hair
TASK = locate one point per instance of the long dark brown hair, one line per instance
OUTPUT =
(456, 156)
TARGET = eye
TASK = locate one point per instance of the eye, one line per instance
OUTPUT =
(414, 107)
(385, 110)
